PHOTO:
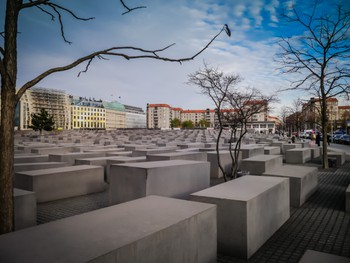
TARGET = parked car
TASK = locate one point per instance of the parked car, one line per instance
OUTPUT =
(336, 138)
(306, 134)
(345, 139)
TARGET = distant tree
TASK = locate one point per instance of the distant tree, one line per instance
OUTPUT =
(203, 123)
(11, 93)
(175, 123)
(188, 124)
(319, 58)
(216, 85)
(284, 113)
(42, 121)
(234, 108)
(344, 118)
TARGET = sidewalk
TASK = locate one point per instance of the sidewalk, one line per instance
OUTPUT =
(321, 224)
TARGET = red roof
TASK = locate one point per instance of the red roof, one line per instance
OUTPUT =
(177, 109)
(344, 107)
(256, 102)
(193, 111)
(159, 105)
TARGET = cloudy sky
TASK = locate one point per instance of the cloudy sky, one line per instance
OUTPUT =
(250, 51)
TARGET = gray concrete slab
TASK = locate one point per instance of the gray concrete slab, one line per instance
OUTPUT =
(144, 230)
(19, 167)
(249, 210)
(303, 181)
(311, 256)
(173, 178)
(24, 208)
(259, 164)
(194, 156)
(58, 183)
(298, 155)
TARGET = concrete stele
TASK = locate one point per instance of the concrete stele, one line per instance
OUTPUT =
(173, 178)
(147, 230)
(249, 210)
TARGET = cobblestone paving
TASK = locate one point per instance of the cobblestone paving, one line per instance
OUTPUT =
(321, 224)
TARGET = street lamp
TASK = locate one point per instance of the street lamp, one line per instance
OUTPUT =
(332, 122)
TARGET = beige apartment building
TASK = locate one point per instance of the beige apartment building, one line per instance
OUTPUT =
(55, 102)
(71, 112)
(160, 116)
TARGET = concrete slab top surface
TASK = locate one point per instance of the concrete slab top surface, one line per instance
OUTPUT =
(251, 146)
(59, 170)
(129, 221)
(37, 164)
(263, 158)
(312, 256)
(241, 189)
(175, 154)
(100, 158)
(291, 171)
(159, 164)
(19, 192)
(299, 150)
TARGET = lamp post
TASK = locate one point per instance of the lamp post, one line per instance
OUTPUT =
(332, 122)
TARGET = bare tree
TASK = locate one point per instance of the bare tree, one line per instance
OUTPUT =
(217, 86)
(246, 104)
(234, 108)
(320, 57)
(9, 96)
(284, 113)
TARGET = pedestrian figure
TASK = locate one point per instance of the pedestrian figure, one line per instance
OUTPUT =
(313, 138)
(293, 139)
(318, 139)
(328, 139)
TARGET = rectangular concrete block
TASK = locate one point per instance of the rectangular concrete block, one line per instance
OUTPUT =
(298, 155)
(147, 230)
(304, 144)
(249, 210)
(279, 144)
(70, 157)
(315, 152)
(19, 167)
(174, 178)
(52, 150)
(25, 208)
(122, 153)
(288, 146)
(58, 183)
(340, 156)
(225, 160)
(31, 159)
(303, 181)
(251, 150)
(121, 159)
(194, 156)
(272, 150)
(259, 164)
(311, 256)
(144, 152)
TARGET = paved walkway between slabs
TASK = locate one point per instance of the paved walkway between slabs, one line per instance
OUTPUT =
(321, 224)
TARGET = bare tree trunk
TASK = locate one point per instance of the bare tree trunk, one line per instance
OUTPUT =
(8, 102)
(6, 160)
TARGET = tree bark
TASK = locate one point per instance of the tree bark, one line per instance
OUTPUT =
(8, 103)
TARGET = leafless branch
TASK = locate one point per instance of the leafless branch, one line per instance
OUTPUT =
(54, 11)
(130, 9)
(113, 51)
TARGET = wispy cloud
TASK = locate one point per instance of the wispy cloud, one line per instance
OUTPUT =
(188, 23)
